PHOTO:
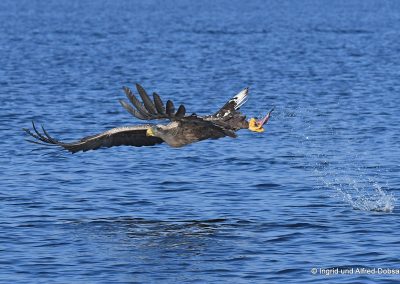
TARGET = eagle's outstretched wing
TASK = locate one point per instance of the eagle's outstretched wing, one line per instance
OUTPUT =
(229, 115)
(233, 105)
(154, 109)
(150, 109)
(126, 135)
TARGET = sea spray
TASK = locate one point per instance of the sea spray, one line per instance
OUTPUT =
(329, 155)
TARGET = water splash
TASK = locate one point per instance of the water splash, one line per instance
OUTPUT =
(360, 192)
(330, 156)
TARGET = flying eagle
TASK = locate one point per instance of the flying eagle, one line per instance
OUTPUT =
(181, 130)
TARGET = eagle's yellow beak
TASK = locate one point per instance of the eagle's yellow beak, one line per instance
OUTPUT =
(255, 126)
(149, 132)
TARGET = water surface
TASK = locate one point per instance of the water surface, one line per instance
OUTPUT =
(316, 190)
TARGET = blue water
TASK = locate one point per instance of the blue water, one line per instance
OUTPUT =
(316, 190)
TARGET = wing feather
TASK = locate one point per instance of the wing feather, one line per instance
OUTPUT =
(148, 104)
(170, 108)
(132, 111)
(180, 112)
(138, 105)
(233, 104)
(150, 110)
(127, 135)
(159, 104)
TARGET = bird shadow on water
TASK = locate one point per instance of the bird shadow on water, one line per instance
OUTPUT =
(146, 246)
(327, 154)
(155, 239)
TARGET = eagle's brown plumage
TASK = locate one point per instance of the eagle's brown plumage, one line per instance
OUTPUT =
(120, 136)
(181, 130)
